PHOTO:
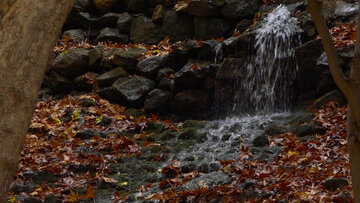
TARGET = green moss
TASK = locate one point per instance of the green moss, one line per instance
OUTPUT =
(155, 127)
(188, 133)
(193, 124)
(133, 112)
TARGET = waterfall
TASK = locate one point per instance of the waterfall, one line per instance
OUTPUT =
(271, 70)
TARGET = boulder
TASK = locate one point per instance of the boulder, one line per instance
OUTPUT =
(239, 9)
(132, 90)
(127, 58)
(192, 75)
(190, 102)
(243, 25)
(95, 55)
(76, 34)
(143, 30)
(158, 14)
(209, 50)
(166, 84)
(158, 101)
(112, 35)
(136, 6)
(150, 66)
(124, 22)
(209, 28)
(178, 27)
(308, 129)
(57, 83)
(108, 20)
(110, 77)
(71, 63)
(260, 141)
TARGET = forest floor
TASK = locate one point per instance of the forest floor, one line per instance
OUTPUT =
(85, 149)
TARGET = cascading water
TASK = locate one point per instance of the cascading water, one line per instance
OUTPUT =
(267, 83)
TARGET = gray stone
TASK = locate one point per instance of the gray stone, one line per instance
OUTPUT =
(72, 63)
(308, 129)
(199, 8)
(158, 101)
(83, 5)
(95, 55)
(158, 14)
(164, 73)
(209, 28)
(125, 58)
(150, 66)
(39, 177)
(112, 35)
(108, 20)
(243, 25)
(77, 35)
(57, 83)
(274, 129)
(190, 77)
(334, 183)
(143, 30)
(190, 102)
(239, 9)
(166, 84)
(178, 27)
(110, 77)
(124, 22)
(133, 90)
(209, 49)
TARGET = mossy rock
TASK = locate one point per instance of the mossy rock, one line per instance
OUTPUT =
(182, 146)
(166, 135)
(188, 133)
(193, 124)
(155, 127)
(308, 138)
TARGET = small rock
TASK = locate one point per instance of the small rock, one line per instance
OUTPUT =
(110, 77)
(104, 5)
(108, 20)
(85, 134)
(187, 168)
(243, 25)
(150, 66)
(86, 81)
(178, 27)
(95, 55)
(199, 8)
(209, 50)
(274, 129)
(209, 28)
(249, 194)
(112, 35)
(188, 133)
(124, 22)
(164, 73)
(308, 129)
(136, 6)
(214, 167)
(192, 75)
(125, 58)
(189, 102)
(166, 84)
(158, 101)
(40, 176)
(57, 83)
(71, 63)
(260, 141)
(87, 102)
(240, 9)
(334, 183)
(158, 14)
(51, 199)
(143, 30)
(133, 90)
(76, 34)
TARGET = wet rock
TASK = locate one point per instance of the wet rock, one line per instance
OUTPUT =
(226, 137)
(260, 141)
(274, 129)
(158, 14)
(334, 183)
(51, 199)
(192, 75)
(85, 134)
(158, 101)
(83, 5)
(203, 168)
(209, 50)
(247, 183)
(190, 102)
(87, 102)
(345, 9)
(57, 83)
(110, 77)
(308, 129)
(143, 30)
(86, 81)
(124, 22)
(240, 9)
(29, 200)
(166, 84)
(133, 90)
(95, 55)
(193, 124)
(83, 20)
(188, 133)
(136, 6)
(108, 20)
(327, 97)
(215, 166)
(72, 63)
(199, 8)
(326, 83)
(75, 34)
(166, 135)
(112, 35)
(243, 25)
(125, 58)
(209, 28)
(39, 177)
(150, 66)
(155, 127)
(164, 73)
(178, 27)
(133, 112)
(104, 121)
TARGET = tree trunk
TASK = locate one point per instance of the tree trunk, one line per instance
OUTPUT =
(28, 31)
(354, 153)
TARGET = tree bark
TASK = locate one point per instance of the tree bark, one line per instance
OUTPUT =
(354, 153)
(28, 31)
